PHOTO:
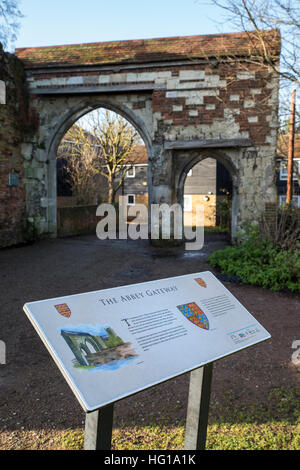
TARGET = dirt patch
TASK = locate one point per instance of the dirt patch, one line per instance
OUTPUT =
(34, 397)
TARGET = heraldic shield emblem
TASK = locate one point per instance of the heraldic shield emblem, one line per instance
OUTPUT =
(200, 281)
(194, 314)
(63, 309)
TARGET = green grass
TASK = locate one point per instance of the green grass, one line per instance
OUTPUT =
(274, 425)
(268, 436)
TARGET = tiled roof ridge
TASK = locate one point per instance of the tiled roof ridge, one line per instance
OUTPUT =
(214, 35)
(148, 50)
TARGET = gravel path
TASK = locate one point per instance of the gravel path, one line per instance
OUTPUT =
(35, 401)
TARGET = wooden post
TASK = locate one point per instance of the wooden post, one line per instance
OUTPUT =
(289, 189)
(198, 408)
(98, 429)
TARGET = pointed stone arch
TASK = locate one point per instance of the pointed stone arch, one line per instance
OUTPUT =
(59, 125)
(185, 161)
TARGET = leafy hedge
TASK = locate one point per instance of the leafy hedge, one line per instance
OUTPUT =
(259, 261)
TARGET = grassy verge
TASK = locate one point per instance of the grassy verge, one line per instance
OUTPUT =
(233, 426)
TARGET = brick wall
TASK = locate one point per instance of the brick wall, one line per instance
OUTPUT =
(189, 96)
(78, 220)
(12, 188)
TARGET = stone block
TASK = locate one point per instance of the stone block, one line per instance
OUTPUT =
(245, 75)
(172, 83)
(118, 78)
(249, 104)
(171, 94)
(38, 173)
(191, 74)
(26, 150)
(177, 108)
(189, 86)
(255, 91)
(2, 92)
(90, 80)
(74, 81)
(252, 119)
(41, 155)
(103, 79)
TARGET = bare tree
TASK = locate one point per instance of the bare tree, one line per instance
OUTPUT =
(255, 17)
(115, 138)
(9, 25)
(77, 155)
(101, 143)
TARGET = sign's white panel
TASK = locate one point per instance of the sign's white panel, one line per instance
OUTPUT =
(115, 342)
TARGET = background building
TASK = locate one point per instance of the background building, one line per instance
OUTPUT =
(281, 176)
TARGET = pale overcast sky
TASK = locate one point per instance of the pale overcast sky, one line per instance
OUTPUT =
(77, 21)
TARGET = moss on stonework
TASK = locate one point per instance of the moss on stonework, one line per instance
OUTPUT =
(13, 73)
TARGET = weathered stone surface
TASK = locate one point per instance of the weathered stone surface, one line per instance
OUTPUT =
(2, 92)
(180, 101)
(12, 123)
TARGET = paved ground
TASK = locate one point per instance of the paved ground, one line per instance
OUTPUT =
(33, 394)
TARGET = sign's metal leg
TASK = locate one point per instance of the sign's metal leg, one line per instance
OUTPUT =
(98, 429)
(198, 408)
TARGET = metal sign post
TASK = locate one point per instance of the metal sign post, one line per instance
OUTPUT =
(98, 429)
(98, 424)
(198, 408)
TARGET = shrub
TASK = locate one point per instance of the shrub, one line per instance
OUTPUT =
(284, 229)
(264, 258)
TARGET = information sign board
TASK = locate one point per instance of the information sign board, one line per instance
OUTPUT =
(115, 342)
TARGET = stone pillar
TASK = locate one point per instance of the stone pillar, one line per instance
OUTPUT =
(256, 183)
(163, 220)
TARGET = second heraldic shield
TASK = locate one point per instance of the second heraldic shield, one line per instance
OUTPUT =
(194, 314)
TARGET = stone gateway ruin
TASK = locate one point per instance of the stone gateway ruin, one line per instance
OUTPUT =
(189, 98)
(91, 350)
